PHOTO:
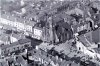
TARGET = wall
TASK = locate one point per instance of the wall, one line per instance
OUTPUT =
(14, 48)
(17, 25)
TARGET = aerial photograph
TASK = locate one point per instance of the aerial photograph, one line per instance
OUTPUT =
(49, 32)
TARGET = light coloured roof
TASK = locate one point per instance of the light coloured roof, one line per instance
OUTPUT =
(45, 46)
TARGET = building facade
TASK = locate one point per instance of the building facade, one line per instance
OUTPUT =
(15, 46)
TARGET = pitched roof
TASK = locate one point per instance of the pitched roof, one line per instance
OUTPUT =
(84, 41)
(97, 50)
(21, 41)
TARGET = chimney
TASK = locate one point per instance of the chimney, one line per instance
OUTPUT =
(9, 41)
(22, 3)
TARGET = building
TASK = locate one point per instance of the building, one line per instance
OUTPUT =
(17, 25)
(15, 46)
(27, 21)
(96, 36)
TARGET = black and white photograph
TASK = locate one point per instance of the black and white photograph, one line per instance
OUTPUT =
(49, 32)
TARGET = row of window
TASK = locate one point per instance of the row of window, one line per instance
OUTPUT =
(18, 25)
(9, 50)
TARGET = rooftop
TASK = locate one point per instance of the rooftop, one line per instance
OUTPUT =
(19, 42)
(90, 38)
(4, 35)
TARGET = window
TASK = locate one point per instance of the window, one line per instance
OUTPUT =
(29, 28)
(30, 19)
(14, 49)
(22, 47)
(79, 48)
(12, 23)
(16, 24)
(18, 48)
(26, 45)
(8, 17)
(4, 21)
(12, 15)
(8, 50)
(24, 21)
(21, 26)
(37, 32)
(4, 51)
(85, 26)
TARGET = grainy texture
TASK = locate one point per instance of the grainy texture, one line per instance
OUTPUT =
(49, 32)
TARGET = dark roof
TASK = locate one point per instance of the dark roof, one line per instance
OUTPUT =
(57, 19)
(97, 50)
(10, 59)
(83, 40)
(21, 41)
(19, 59)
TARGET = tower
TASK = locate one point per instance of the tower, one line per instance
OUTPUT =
(51, 30)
